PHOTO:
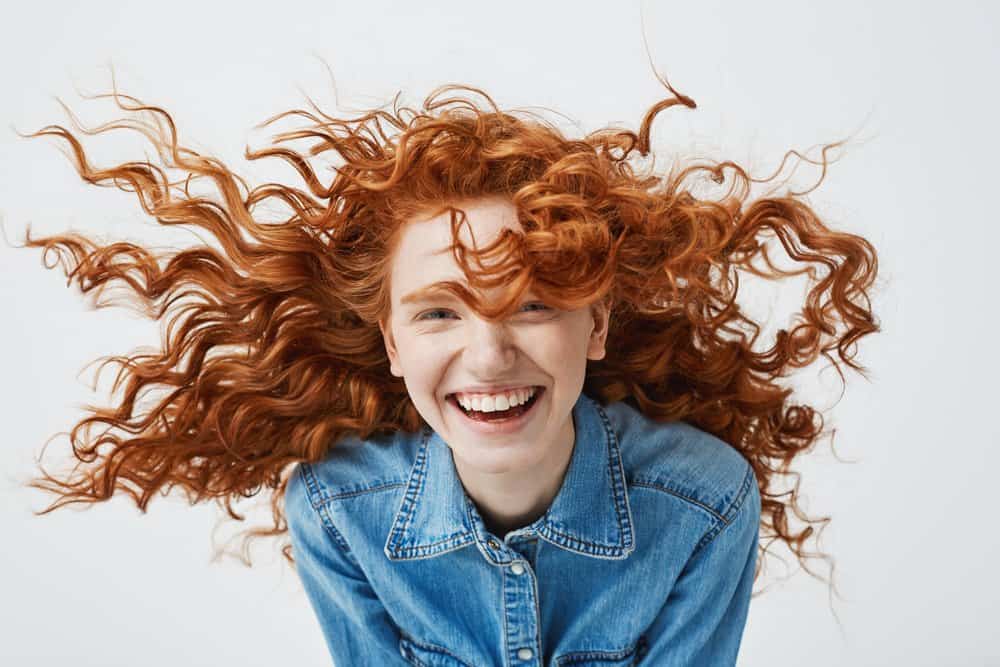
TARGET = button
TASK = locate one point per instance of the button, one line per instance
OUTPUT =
(517, 568)
(493, 543)
(524, 653)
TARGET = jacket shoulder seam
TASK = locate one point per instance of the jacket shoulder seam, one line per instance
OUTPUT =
(730, 514)
(648, 484)
(320, 494)
(313, 488)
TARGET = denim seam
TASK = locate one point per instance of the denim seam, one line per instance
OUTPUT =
(433, 648)
(622, 514)
(319, 494)
(408, 501)
(407, 506)
(658, 487)
(503, 605)
(314, 489)
(583, 546)
(313, 486)
(422, 551)
(538, 613)
(334, 533)
(593, 654)
(731, 511)
(351, 494)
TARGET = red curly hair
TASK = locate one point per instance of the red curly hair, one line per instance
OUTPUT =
(272, 350)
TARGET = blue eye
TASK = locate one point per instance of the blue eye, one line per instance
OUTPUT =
(537, 303)
(431, 312)
(422, 316)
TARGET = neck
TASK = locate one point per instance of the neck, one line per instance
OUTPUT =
(515, 499)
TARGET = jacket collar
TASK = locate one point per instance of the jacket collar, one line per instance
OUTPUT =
(590, 515)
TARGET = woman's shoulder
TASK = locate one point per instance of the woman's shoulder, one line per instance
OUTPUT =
(680, 459)
(355, 466)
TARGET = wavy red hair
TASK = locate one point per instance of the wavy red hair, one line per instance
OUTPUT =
(273, 351)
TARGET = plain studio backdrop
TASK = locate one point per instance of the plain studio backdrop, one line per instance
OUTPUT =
(913, 529)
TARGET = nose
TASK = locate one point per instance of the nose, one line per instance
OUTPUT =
(489, 349)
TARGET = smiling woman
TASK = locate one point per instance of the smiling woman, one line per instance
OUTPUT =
(511, 468)
(572, 466)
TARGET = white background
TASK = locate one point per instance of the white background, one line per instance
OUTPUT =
(913, 526)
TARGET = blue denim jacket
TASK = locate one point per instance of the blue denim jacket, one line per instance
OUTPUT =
(646, 555)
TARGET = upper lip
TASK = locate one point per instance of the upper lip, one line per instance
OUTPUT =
(490, 389)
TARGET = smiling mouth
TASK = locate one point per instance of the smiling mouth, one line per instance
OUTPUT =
(498, 415)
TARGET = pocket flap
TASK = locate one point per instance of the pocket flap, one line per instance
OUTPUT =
(428, 655)
(597, 658)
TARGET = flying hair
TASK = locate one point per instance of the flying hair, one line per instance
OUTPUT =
(272, 353)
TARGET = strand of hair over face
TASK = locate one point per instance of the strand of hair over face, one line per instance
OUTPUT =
(272, 355)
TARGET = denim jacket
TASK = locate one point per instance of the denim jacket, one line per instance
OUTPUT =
(646, 555)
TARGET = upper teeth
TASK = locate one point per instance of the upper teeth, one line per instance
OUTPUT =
(494, 402)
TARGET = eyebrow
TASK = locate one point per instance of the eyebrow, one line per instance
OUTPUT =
(433, 291)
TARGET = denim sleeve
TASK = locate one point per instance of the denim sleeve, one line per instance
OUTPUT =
(702, 621)
(357, 628)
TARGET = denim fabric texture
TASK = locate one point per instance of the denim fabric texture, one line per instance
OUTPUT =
(646, 555)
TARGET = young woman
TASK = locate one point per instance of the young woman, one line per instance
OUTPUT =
(496, 379)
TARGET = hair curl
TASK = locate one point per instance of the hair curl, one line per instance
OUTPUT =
(272, 350)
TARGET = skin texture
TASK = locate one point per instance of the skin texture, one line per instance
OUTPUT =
(512, 478)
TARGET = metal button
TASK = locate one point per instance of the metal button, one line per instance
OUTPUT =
(493, 543)
(517, 568)
(524, 653)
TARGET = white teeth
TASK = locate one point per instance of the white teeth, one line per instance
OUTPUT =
(495, 402)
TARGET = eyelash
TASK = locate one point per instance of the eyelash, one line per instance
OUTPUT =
(445, 310)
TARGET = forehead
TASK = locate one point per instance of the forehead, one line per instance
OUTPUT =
(423, 255)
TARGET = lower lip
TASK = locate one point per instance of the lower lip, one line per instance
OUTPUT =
(511, 425)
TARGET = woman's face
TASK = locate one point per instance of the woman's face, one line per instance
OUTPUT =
(440, 347)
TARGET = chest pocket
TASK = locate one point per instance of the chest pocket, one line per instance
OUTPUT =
(593, 658)
(428, 655)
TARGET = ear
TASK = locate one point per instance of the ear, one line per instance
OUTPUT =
(601, 313)
(390, 349)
